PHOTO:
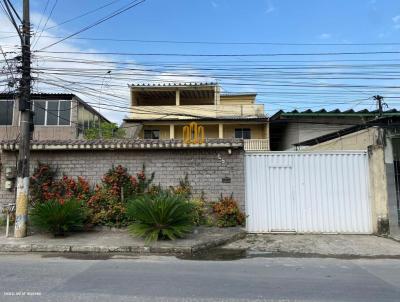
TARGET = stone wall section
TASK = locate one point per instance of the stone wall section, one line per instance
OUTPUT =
(212, 171)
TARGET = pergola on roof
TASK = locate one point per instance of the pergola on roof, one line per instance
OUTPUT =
(167, 86)
(167, 91)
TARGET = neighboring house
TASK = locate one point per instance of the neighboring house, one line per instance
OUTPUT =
(161, 112)
(289, 128)
(381, 138)
(55, 116)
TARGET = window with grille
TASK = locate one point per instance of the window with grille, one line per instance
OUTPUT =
(244, 133)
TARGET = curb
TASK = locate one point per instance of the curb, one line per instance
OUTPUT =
(170, 250)
(255, 254)
(218, 242)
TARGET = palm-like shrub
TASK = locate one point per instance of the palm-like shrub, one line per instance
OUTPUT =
(161, 216)
(58, 217)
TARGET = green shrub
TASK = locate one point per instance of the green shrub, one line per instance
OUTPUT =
(3, 221)
(144, 183)
(57, 217)
(184, 188)
(105, 131)
(162, 216)
(106, 208)
(202, 211)
(108, 203)
(228, 213)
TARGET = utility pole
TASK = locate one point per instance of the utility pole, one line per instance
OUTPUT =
(379, 100)
(25, 128)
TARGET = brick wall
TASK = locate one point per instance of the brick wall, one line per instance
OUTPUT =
(206, 167)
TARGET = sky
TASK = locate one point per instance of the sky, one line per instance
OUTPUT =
(245, 46)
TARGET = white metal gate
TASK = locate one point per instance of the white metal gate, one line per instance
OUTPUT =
(308, 192)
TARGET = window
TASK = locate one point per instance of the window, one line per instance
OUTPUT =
(6, 112)
(86, 120)
(151, 134)
(65, 113)
(52, 113)
(244, 133)
(39, 112)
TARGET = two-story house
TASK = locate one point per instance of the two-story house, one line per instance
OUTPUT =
(162, 111)
(55, 116)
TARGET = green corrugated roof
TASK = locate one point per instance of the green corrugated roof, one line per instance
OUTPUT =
(334, 113)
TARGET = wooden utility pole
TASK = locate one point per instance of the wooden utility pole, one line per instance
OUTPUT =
(25, 128)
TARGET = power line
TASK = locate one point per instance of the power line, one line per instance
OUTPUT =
(45, 24)
(8, 65)
(112, 15)
(80, 16)
(267, 83)
(218, 55)
(42, 15)
(208, 42)
(7, 9)
(13, 9)
(219, 62)
(172, 112)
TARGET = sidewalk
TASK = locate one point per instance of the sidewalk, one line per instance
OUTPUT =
(336, 246)
(119, 241)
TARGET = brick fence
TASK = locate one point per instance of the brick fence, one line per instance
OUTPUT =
(210, 170)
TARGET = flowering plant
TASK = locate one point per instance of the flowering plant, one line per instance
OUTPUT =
(108, 203)
(184, 188)
(45, 187)
(227, 212)
(41, 182)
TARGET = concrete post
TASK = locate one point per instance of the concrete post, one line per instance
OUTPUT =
(217, 95)
(378, 188)
(393, 214)
(172, 131)
(267, 135)
(21, 212)
(220, 130)
(177, 97)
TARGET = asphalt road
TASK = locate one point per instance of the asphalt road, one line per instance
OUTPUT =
(40, 278)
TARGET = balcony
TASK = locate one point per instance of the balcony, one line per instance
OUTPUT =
(256, 145)
(196, 111)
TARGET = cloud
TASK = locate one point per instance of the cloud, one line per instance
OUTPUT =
(325, 36)
(270, 7)
(86, 75)
(396, 21)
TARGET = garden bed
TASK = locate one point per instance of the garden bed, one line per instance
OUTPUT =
(64, 205)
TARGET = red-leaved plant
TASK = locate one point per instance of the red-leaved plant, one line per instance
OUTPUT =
(45, 187)
(108, 203)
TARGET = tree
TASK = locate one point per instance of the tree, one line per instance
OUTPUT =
(106, 131)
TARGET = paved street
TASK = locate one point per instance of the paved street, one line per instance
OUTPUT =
(155, 278)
